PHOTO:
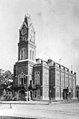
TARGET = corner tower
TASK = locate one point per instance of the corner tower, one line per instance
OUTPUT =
(26, 54)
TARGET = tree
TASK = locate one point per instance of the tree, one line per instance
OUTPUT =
(6, 81)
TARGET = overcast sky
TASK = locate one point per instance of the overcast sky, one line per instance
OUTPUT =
(56, 23)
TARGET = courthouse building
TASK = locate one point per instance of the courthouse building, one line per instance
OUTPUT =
(38, 78)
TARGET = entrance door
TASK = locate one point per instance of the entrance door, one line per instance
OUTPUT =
(65, 93)
(22, 95)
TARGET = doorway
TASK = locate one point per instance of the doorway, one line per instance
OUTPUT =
(22, 94)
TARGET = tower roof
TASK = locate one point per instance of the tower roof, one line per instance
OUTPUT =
(27, 20)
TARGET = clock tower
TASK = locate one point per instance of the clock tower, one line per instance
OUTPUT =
(23, 68)
(26, 45)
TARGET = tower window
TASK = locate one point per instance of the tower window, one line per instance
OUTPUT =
(23, 54)
(30, 54)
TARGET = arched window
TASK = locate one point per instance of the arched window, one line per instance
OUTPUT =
(31, 55)
(21, 54)
(24, 53)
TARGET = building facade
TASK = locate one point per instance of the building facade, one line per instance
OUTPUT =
(62, 82)
(41, 79)
(38, 78)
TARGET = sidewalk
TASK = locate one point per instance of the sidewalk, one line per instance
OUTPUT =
(39, 102)
(25, 102)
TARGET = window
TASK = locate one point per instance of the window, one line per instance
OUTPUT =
(30, 54)
(21, 54)
(38, 93)
(37, 77)
(25, 53)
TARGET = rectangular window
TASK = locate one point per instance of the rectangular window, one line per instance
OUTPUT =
(37, 77)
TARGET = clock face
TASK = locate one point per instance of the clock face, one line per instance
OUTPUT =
(32, 37)
(31, 34)
(24, 30)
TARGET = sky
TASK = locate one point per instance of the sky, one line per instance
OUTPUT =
(56, 24)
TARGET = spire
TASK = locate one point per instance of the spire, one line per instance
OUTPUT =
(27, 20)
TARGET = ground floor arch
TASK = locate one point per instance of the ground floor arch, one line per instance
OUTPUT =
(21, 93)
